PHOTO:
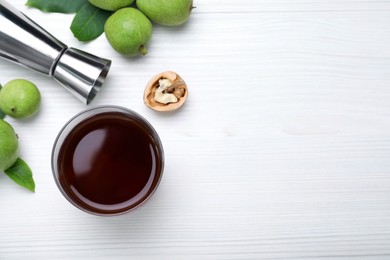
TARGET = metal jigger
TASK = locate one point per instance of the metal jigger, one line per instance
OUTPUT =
(24, 42)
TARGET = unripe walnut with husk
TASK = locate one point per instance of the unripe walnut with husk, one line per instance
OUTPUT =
(165, 92)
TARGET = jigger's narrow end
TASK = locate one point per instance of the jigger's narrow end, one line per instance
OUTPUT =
(81, 73)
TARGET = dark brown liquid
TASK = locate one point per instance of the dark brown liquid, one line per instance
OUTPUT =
(109, 162)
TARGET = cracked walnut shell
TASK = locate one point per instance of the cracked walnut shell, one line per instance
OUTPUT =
(165, 92)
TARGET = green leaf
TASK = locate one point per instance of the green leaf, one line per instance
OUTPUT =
(88, 23)
(57, 6)
(20, 173)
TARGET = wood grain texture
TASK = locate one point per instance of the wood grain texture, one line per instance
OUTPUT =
(281, 152)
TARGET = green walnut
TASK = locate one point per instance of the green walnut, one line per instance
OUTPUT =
(170, 13)
(9, 146)
(111, 5)
(20, 98)
(128, 31)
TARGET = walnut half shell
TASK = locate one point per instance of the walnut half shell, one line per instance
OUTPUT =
(165, 92)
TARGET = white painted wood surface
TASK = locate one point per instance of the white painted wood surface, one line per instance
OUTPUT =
(282, 151)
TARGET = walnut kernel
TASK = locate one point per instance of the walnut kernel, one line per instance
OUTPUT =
(165, 92)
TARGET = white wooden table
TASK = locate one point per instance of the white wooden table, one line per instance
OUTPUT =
(281, 152)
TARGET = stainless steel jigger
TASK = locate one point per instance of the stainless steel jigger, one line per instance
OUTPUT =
(24, 42)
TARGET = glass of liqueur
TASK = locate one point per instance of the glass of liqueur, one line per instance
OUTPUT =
(107, 160)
